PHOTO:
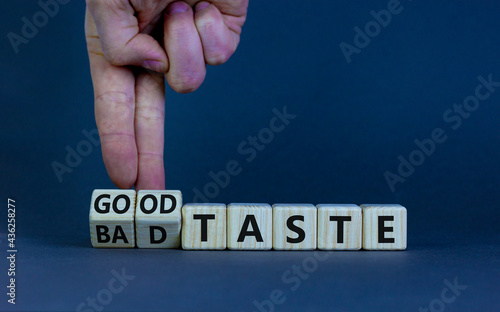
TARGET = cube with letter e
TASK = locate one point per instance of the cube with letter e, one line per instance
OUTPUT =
(384, 227)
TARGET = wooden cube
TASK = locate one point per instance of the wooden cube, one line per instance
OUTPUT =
(249, 227)
(111, 218)
(339, 227)
(158, 219)
(294, 226)
(384, 227)
(204, 226)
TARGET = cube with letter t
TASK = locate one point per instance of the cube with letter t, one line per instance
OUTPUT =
(384, 227)
(249, 227)
(204, 226)
(158, 219)
(339, 227)
(111, 218)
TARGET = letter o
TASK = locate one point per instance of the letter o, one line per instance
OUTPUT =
(125, 208)
(413, 158)
(432, 305)
(101, 294)
(311, 260)
(84, 151)
(268, 133)
(43, 16)
(143, 206)
(368, 30)
(214, 187)
(472, 99)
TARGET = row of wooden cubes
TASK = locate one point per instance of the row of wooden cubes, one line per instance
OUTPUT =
(157, 219)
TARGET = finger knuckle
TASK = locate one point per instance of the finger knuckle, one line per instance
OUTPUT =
(186, 83)
(219, 56)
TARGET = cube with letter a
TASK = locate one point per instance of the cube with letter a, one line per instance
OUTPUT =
(111, 218)
(384, 227)
(158, 219)
(249, 227)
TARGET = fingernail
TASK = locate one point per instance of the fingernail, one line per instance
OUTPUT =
(157, 66)
(177, 7)
(202, 5)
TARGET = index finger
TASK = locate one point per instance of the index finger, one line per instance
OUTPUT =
(114, 111)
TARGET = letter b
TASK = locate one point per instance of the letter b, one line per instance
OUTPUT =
(264, 306)
(382, 16)
(426, 145)
(51, 7)
(102, 234)
(222, 178)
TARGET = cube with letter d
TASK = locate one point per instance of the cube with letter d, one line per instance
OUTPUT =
(158, 219)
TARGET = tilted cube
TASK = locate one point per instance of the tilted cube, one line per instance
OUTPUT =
(158, 219)
(111, 218)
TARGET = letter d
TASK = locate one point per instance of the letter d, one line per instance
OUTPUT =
(426, 145)
(28, 30)
(405, 169)
(51, 7)
(361, 35)
(72, 158)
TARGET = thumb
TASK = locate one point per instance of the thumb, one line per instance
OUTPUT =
(121, 41)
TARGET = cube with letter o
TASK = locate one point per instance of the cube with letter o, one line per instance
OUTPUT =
(158, 219)
(111, 218)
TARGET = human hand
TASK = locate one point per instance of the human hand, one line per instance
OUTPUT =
(129, 102)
